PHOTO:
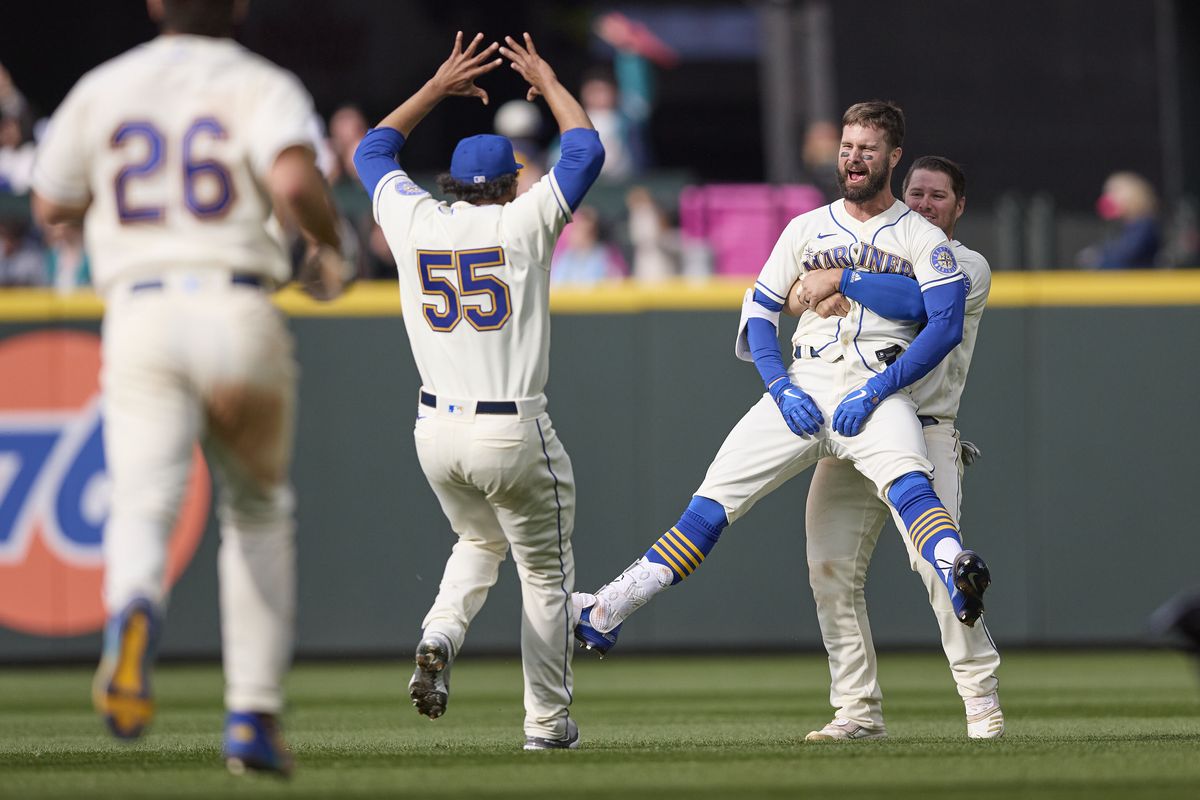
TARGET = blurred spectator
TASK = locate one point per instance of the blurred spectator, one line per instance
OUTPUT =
(22, 261)
(16, 138)
(520, 121)
(347, 127)
(599, 98)
(1128, 198)
(582, 256)
(620, 104)
(655, 242)
(820, 154)
(67, 266)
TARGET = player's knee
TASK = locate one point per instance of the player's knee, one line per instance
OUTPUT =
(248, 509)
(910, 488)
(709, 513)
(831, 580)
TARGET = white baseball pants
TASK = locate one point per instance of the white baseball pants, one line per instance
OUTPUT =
(761, 453)
(198, 358)
(842, 524)
(505, 481)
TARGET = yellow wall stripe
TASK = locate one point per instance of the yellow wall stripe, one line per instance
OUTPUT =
(382, 298)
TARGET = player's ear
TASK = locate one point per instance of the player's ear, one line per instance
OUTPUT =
(960, 207)
(155, 9)
(239, 10)
(894, 156)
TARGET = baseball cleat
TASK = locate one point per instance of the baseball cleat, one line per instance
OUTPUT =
(591, 639)
(254, 743)
(971, 578)
(843, 730)
(429, 687)
(568, 742)
(121, 689)
(985, 720)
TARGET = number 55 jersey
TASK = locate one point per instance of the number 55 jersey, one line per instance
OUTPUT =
(474, 285)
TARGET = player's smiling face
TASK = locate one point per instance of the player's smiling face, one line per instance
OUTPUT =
(865, 162)
(931, 194)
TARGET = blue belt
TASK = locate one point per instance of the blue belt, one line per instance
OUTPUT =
(481, 406)
(156, 283)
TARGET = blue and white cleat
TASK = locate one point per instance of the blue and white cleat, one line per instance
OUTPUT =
(429, 687)
(591, 639)
(568, 742)
(121, 690)
(254, 743)
(972, 578)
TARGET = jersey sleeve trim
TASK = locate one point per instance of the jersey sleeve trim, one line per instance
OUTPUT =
(62, 192)
(955, 278)
(384, 181)
(771, 293)
(559, 197)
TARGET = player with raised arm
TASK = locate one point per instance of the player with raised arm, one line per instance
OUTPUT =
(174, 155)
(845, 515)
(474, 288)
(851, 369)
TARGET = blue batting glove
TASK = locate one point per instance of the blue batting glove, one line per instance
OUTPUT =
(851, 414)
(799, 411)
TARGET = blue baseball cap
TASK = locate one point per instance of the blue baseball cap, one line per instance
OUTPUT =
(478, 159)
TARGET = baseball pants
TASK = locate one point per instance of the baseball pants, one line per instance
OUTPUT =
(504, 481)
(842, 523)
(198, 358)
(761, 453)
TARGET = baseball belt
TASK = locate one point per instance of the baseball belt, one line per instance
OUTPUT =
(481, 406)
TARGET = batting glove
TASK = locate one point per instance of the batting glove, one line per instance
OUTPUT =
(799, 411)
(970, 452)
(851, 414)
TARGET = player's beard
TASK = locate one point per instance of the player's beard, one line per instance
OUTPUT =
(875, 183)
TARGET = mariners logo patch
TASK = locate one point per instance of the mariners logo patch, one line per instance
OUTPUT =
(943, 260)
(405, 186)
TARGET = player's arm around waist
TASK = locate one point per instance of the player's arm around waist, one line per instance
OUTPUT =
(945, 307)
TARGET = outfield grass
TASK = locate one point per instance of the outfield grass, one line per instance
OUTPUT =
(1118, 725)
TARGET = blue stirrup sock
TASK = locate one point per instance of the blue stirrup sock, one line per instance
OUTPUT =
(683, 548)
(930, 527)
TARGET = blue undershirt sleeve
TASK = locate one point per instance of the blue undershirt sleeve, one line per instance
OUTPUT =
(890, 295)
(763, 339)
(945, 306)
(376, 156)
(579, 164)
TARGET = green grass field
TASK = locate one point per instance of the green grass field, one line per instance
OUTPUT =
(1120, 725)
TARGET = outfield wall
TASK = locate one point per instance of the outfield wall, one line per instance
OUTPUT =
(1083, 398)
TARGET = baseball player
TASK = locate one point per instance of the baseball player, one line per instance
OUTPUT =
(173, 155)
(851, 370)
(474, 288)
(845, 515)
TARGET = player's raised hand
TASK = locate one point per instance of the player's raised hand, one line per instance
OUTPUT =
(531, 66)
(852, 413)
(798, 409)
(456, 76)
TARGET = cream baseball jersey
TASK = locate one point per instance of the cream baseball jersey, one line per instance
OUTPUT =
(896, 241)
(474, 285)
(166, 139)
(939, 393)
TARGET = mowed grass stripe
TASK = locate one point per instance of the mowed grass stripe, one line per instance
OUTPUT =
(1103, 724)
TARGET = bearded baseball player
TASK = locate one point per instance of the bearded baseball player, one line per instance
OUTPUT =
(845, 515)
(849, 370)
(474, 288)
(173, 156)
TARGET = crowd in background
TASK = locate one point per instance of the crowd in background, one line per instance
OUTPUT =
(638, 224)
